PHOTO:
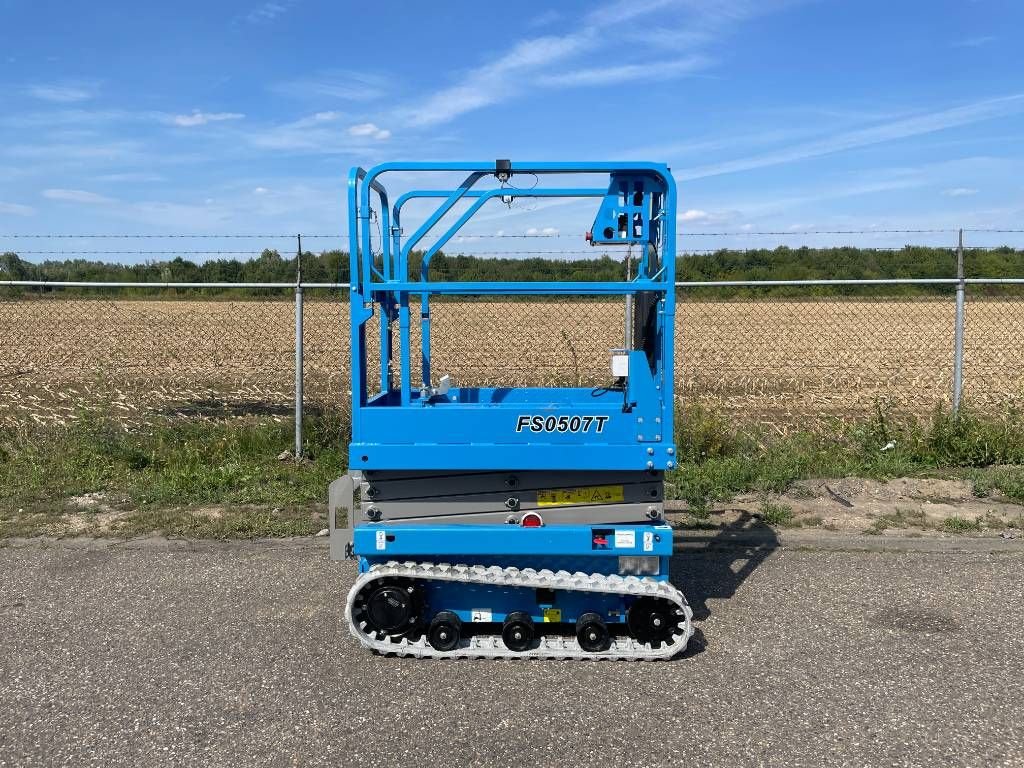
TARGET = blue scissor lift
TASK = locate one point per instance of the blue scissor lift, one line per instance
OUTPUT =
(509, 521)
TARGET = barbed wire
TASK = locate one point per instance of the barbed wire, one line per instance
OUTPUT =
(595, 252)
(505, 235)
(178, 252)
(800, 232)
(17, 236)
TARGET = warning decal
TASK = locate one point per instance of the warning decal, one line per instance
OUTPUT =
(625, 538)
(594, 494)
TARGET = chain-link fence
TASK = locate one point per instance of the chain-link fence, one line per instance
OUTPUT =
(775, 359)
(993, 357)
(784, 360)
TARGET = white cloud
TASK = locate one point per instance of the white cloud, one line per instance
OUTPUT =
(310, 133)
(974, 42)
(906, 127)
(319, 133)
(530, 62)
(549, 16)
(700, 216)
(658, 70)
(77, 196)
(621, 11)
(130, 177)
(341, 84)
(260, 191)
(370, 130)
(549, 231)
(319, 117)
(63, 93)
(202, 118)
(115, 154)
(15, 209)
(267, 12)
(959, 192)
(498, 80)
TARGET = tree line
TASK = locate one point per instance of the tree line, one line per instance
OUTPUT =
(742, 265)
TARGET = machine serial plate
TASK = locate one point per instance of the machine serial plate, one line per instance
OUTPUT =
(594, 494)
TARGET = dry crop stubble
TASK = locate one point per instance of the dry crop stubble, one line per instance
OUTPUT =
(775, 360)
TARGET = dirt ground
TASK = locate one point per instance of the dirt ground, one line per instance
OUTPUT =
(915, 506)
(899, 507)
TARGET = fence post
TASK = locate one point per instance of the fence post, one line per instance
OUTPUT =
(958, 328)
(298, 351)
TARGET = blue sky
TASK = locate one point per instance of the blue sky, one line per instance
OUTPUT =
(242, 116)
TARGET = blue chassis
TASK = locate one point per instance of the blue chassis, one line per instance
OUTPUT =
(568, 547)
(395, 427)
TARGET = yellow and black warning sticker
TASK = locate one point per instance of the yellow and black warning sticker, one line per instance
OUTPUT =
(594, 494)
(552, 615)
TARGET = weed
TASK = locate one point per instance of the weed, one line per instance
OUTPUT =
(778, 515)
(898, 518)
(991, 520)
(960, 525)
(718, 461)
(877, 528)
(183, 462)
(171, 464)
(1007, 482)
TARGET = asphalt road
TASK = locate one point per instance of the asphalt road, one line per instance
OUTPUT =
(235, 655)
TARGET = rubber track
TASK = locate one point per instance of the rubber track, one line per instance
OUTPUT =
(491, 646)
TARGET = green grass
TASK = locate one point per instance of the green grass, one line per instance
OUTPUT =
(158, 469)
(960, 525)
(900, 518)
(1007, 482)
(160, 477)
(777, 514)
(719, 461)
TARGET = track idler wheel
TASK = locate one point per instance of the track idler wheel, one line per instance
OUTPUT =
(653, 621)
(444, 632)
(592, 633)
(391, 608)
(517, 632)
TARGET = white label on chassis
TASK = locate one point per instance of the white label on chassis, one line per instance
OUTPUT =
(481, 615)
(382, 540)
(625, 539)
(572, 424)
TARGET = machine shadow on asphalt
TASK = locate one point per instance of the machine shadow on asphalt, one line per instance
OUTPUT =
(712, 564)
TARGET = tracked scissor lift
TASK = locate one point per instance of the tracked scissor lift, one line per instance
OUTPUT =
(510, 521)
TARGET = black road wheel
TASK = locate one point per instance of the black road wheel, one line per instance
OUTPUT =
(445, 631)
(390, 607)
(592, 633)
(517, 631)
(654, 621)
